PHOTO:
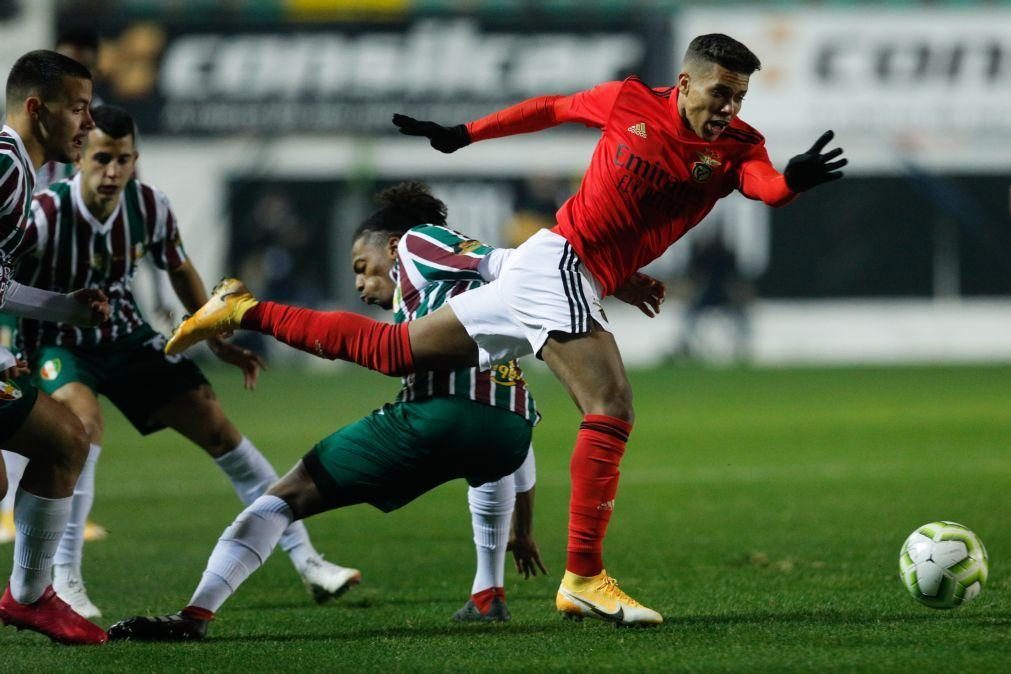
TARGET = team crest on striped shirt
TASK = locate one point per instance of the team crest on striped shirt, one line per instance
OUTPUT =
(9, 391)
(468, 246)
(638, 129)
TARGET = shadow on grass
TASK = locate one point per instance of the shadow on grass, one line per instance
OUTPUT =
(821, 617)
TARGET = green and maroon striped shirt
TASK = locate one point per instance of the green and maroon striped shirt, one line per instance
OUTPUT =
(67, 248)
(433, 264)
(17, 182)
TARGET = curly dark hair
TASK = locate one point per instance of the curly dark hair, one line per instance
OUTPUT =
(723, 50)
(402, 207)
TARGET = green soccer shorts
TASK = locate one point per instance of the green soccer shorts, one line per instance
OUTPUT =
(133, 372)
(17, 398)
(399, 452)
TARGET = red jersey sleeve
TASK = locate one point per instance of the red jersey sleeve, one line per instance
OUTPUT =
(761, 181)
(591, 108)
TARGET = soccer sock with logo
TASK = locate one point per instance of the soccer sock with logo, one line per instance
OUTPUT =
(491, 511)
(15, 465)
(340, 335)
(600, 445)
(242, 549)
(251, 476)
(39, 522)
(71, 548)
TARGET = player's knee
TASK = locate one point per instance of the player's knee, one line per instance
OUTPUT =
(70, 446)
(93, 428)
(3, 484)
(614, 401)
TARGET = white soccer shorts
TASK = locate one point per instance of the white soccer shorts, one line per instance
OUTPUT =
(542, 288)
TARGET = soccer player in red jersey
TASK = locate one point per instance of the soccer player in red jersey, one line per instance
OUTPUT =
(664, 158)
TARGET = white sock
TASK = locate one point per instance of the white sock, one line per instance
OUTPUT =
(241, 550)
(251, 475)
(71, 548)
(491, 511)
(40, 523)
(15, 465)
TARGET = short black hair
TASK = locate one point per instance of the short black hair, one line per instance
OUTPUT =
(402, 207)
(115, 122)
(723, 50)
(79, 36)
(41, 73)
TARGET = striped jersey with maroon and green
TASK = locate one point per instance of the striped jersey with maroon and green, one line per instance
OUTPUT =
(17, 182)
(433, 264)
(70, 249)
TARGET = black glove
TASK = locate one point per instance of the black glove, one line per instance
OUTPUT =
(444, 138)
(813, 168)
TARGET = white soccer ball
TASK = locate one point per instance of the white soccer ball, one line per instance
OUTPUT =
(943, 564)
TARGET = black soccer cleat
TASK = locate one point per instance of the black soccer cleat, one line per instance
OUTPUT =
(174, 627)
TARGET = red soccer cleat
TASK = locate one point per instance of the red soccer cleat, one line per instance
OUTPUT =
(51, 616)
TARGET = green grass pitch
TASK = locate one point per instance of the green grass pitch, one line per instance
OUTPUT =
(760, 511)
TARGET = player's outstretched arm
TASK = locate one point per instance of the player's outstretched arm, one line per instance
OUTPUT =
(443, 138)
(86, 308)
(812, 168)
(590, 107)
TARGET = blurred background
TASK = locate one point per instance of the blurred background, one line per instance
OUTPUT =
(266, 122)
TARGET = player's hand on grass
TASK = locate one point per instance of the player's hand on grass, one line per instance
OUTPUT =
(249, 362)
(97, 304)
(444, 138)
(643, 292)
(814, 168)
(527, 555)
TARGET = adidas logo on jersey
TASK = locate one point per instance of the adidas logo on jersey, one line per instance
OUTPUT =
(638, 129)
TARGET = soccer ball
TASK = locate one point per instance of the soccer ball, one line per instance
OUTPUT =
(943, 564)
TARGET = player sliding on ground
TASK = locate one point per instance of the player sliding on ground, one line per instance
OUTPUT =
(106, 216)
(445, 425)
(664, 158)
(47, 100)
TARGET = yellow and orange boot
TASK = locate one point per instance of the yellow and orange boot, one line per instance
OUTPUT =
(600, 597)
(221, 314)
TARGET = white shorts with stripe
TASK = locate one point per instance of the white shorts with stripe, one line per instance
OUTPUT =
(542, 288)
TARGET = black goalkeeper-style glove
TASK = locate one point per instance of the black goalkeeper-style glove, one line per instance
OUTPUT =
(444, 138)
(813, 168)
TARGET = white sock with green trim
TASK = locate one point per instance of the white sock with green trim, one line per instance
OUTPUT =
(251, 475)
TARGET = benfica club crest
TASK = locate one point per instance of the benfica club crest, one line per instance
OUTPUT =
(702, 170)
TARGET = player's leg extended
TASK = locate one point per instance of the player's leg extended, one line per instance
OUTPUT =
(241, 550)
(68, 581)
(56, 445)
(437, 341)
(591, 368)
(198, 416)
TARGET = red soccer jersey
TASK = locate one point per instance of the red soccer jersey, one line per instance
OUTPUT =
(651, 178)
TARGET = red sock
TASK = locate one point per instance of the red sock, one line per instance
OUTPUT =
(197, 613)
(594, 470)
(483, 598)
(378, 346)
